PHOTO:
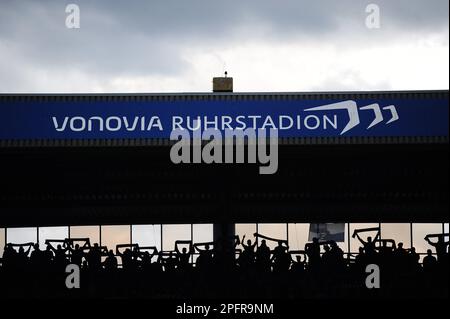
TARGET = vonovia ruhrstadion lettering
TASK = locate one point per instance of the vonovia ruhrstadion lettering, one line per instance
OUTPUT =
(240, 122)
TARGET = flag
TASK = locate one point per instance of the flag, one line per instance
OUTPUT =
(328, 231)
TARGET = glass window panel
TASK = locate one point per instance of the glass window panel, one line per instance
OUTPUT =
(400, 232)
(298, 236)
(245, 229)
(446, 231)
(420, 231)
(354, 242)
(91, 232)
(146, 235)
(172, 233)
(344, 244)
(21, 235)
(202, 233)
(276, 231)
(2, 240)
(115, 235)
(52, 233)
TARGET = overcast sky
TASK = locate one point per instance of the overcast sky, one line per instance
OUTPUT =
(179, 45)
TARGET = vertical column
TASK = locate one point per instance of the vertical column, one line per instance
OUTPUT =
(224, 231)
(223, 234)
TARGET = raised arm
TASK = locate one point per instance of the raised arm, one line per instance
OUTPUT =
(245, 245)
(47, 242)
(154, 252)
(196, 246)
(360, 239)
(357, 231)
(237, 241)
(28, 249)
(66, 244)
(377, 236)
(427, 238)
(160, 259)
(181, 242)
(118, 253)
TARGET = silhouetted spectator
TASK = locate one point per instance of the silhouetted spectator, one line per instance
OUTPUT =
(94, 257)
(280, 258)
(298, 266)
(263, 257)
(247, 257)
(205, 258)
(110, 262)
(36, 257)
(440, 246)
(127, 258)
(22, 257)
(170, 263)
(77, 254)
(414, 259)
(9, 257)
(429, 262)
(183, 259)
(313, 252)
(146, 261)
(60, 258)
(369, 246)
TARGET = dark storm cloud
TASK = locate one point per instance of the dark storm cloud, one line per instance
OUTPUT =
(146, 37)
(102, 45)
(209, 18)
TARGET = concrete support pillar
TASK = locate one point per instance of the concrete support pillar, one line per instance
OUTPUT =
(225, 232)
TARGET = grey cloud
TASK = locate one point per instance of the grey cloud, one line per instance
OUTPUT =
(218, 18)
(100, 46)
(347, 81)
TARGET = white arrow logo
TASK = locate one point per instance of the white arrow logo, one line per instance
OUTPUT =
(393, 112)
(353, 115)
(376, 110)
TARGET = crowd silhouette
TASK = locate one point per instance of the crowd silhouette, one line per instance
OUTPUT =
(228, 267)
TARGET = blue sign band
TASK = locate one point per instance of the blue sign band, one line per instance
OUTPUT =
(37, 119)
